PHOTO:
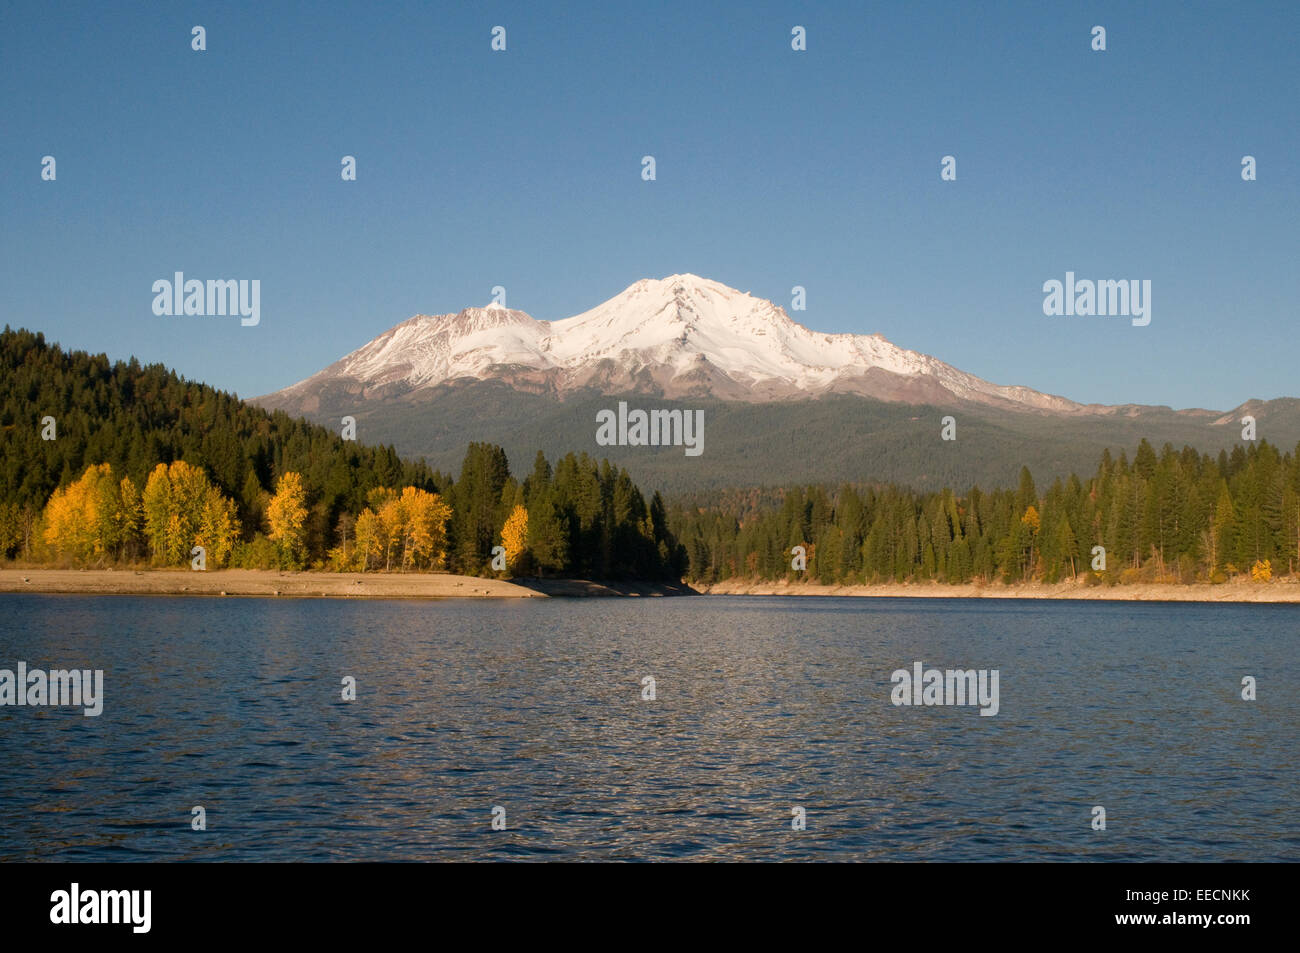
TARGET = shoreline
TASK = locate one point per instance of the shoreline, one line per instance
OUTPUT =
(1238, 591)
(256, 582)
(309, 584)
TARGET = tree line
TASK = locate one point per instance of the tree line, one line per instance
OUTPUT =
(578, 518)
(114, 462)
(142, 465)
(1175, 516)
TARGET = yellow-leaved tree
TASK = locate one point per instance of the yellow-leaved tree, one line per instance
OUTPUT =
(369, 541)
(514, 535)
(398, 531)
(182, 509)
(93, 519)
(129, 517)
(286, 517)
(424, 543)
(392, 518)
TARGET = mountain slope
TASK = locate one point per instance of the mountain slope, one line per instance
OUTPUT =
(677, 337)
(833, 438)
(783, 404)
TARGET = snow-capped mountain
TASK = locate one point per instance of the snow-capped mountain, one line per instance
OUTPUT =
(677, 337)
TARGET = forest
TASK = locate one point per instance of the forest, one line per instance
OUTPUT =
(1172, 516)
(118, 463)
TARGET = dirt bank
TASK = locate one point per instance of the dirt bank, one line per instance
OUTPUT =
(1236, 591)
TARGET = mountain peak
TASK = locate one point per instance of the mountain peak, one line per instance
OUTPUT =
(678, 336)
(684, 285)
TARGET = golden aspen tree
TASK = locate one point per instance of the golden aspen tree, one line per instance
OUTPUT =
(130, 517)
(441, 516)
(286, 517)
(416, 538)
(176, 540)
(514, 535)
(368, 534)
(64, 522)
(392, 524)
(426, 518)
(156, 502)
(84, 520)
(218, 526)
(182, 509)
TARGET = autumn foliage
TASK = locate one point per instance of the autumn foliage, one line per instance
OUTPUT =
(286, 516)
(514, 535)
(406, 531)
(182, 510)
(99, 518)
(95, 519)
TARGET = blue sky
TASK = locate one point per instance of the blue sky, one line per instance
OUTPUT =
(775, 169)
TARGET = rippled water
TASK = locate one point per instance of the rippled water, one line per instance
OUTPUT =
(763, 704)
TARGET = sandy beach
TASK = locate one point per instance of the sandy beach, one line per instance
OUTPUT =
(256, 582)
(1234, 591)
(270, 582)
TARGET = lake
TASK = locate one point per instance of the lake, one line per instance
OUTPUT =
(762, 705)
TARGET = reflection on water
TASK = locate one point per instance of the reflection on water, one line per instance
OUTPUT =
(762, 705)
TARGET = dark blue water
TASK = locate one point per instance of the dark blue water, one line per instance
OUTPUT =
(763, 705)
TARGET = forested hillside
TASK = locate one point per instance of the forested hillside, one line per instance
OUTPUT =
(833, 439)
(1173, 516)
(106, 462)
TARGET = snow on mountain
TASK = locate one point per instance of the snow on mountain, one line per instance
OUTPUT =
(680, 336)
(427, 350)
